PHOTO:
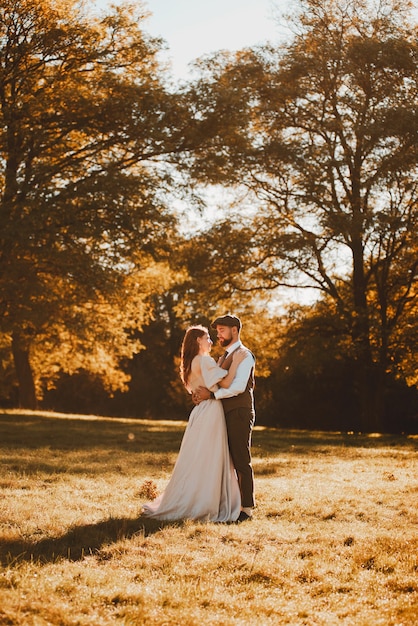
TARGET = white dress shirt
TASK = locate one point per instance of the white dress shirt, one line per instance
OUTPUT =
(240, 381)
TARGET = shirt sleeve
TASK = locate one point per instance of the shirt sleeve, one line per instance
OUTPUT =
(240, 381)
(211, 372)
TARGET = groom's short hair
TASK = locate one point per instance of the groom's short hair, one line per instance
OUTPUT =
(227, 320)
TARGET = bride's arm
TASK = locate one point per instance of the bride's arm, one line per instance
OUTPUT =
(204, 393)
(238, 357)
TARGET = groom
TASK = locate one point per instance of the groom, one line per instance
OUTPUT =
(238, 404)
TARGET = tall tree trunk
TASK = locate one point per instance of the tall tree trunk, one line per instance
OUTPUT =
(366, 379)
(27, 392)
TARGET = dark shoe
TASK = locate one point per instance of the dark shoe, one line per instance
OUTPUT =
(243, 517)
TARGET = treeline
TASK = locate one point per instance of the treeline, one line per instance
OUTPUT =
(305, 380)
(311, 148)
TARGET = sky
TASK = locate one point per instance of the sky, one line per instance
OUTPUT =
(193, 28)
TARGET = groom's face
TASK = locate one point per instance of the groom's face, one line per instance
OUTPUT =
(225, 335)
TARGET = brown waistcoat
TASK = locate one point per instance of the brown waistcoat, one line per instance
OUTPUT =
(245, 399)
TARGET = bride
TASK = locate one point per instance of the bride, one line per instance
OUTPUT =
(204, 484)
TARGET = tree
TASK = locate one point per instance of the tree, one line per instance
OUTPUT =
(326, 140)
(85, 120)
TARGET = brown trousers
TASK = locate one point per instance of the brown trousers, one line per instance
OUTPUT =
(239, 425)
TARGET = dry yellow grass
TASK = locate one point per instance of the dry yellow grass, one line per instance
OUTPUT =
(334, 539)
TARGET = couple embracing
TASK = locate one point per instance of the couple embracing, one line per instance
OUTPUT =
(213, 476)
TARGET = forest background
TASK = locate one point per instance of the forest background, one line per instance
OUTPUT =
(108, 249)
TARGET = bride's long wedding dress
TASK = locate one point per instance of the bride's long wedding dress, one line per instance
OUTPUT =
(203, 485)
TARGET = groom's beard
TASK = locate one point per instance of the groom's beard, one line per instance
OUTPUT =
(225, 342)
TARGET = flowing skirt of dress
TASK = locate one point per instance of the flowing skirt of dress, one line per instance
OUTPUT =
(204, 484)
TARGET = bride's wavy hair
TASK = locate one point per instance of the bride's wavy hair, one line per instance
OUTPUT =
(189, 349)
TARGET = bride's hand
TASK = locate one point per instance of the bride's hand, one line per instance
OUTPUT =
(239, 355)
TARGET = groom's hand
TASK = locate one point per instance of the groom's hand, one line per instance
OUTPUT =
(200, 394)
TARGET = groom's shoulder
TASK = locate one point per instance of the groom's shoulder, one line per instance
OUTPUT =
(247, 350)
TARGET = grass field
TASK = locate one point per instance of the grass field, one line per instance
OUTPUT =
(334, 539)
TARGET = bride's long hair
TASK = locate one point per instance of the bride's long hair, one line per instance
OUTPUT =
(189, 349)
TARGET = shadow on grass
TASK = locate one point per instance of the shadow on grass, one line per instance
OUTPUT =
(73, 433)
(79, 541)
(32, 431)
(271, 440)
